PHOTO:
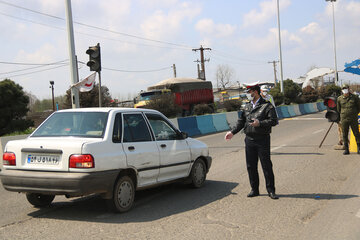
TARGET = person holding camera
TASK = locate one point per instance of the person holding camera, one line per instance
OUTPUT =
(257, 119)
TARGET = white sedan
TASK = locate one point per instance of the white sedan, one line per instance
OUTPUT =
(109, 151)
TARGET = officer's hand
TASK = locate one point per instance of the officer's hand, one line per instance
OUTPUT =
(228, 136)
(255, 123)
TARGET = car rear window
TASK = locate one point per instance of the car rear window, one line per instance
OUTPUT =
(76, 124)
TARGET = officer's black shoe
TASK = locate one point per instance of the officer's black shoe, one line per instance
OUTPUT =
(346, 152)
(272, 195)
(358, 151)
(253, 193)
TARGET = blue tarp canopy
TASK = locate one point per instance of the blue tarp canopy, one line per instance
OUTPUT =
(353, 67)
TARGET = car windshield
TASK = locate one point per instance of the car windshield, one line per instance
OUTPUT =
(76, 124)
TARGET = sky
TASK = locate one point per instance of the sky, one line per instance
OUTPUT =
(141, 40)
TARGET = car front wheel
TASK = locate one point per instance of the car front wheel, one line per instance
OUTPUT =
(124, 195)
(198, 173)
(39, 200)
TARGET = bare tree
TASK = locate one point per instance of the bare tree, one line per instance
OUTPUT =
(224, 74)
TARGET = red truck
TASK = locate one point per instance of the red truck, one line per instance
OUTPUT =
(188, 92)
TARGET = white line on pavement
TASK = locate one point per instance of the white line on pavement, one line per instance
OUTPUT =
(276, 148)
(318, 131)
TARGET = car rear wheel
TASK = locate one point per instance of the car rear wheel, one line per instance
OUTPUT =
(198, 174)
(39, 200)
(124, 195)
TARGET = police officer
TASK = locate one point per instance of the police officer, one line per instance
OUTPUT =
(348, 105)
(257, 119)
(264, 92)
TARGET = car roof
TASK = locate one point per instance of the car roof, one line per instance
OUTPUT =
(109, 109)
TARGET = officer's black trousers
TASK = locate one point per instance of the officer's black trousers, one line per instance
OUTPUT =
(256, 149)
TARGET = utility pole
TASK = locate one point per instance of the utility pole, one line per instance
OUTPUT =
(333, 18)
(73, 69)
(280, 53)
(274, 65)
(202, 60)
(174, 68)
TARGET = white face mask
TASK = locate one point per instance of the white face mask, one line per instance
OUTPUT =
(248, 95)
(345, 91)
(264, 93)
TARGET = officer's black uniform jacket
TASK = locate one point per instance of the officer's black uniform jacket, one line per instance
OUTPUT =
(264, 111)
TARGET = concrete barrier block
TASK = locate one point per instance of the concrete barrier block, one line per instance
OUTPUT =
(232, 118)
(320, 106)
(285, 112)
(297, 110)
(205, 124)
(279, 113)
(314, 106)
(291, 111)
(302, 109)
(189, 125)
(220, 122)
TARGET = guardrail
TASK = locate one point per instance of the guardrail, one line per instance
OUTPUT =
(205, 124)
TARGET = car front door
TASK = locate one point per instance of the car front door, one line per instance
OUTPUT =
(141, 150)
(174, 152)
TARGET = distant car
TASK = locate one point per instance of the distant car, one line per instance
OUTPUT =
(109, 151)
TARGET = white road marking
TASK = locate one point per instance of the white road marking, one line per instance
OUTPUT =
(276, 148)
(358, 214)
(318, 131)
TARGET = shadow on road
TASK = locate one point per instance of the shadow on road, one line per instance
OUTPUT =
(318, 196)
(150, 205)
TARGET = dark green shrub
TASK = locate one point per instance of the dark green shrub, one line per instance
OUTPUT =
(201, 109)
(232, 105)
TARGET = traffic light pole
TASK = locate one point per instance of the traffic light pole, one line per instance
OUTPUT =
(326, 134)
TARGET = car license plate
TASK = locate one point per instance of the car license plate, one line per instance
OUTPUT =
(43, 159)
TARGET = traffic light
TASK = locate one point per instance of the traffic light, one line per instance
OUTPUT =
(332, 114)
(94, 58)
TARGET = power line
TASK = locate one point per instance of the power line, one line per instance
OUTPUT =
(37, 64)
(35, 71)
(138, 71)
(26, 69)
(95, 27)
(91, 35)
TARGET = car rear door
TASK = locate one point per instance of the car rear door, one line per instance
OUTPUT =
(140, 148)
(174, 152)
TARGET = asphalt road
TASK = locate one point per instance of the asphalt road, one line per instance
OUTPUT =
(319, 193)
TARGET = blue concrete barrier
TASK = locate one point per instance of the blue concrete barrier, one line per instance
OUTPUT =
(279, 113)
(302, 109)
(285, 111)
(220, 122)
(189, 125)
(310, 107)
(297, 110)
(320, 106)
(205, 124)
(291, 111)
